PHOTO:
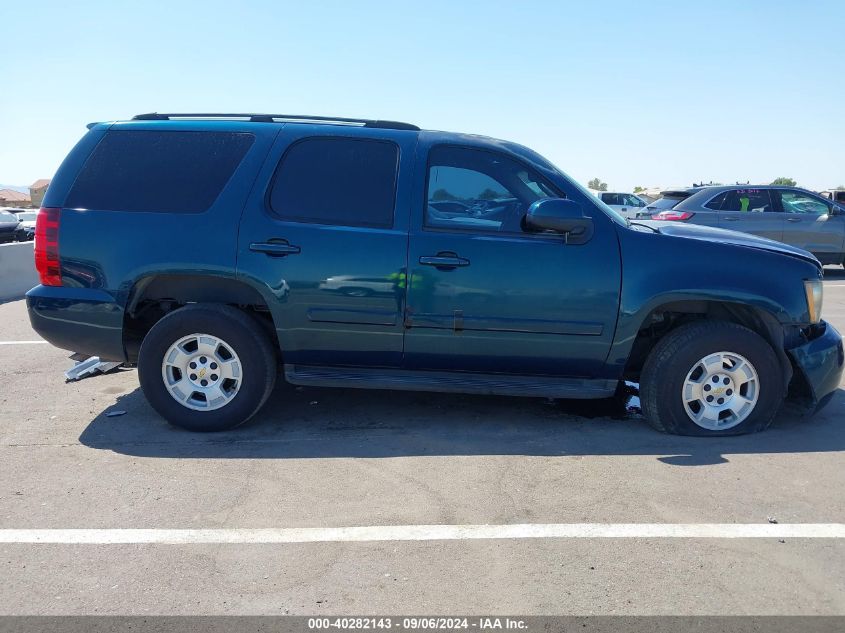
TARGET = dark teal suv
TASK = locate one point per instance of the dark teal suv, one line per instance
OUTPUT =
(215, 250)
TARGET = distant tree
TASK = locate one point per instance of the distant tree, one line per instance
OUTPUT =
(442, 194)
(841, 188)
(489, 194)
(637, 189)
(784, 182)
(597, 185)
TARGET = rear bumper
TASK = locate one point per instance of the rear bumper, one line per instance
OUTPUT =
(821, 362)
(78, 320)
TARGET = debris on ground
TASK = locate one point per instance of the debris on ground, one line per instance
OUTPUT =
(114, 414)
(772, 520)
(88, 367)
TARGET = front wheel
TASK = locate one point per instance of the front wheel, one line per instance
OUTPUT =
(206, 367)
(711, 378)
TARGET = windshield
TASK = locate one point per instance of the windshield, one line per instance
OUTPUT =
(664, 203)
(27, 217)
(544, 162)
(6, 216)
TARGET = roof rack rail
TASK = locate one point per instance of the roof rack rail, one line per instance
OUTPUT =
(278, 118)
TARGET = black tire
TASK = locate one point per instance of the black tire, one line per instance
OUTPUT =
(675, 355)
(242, 333)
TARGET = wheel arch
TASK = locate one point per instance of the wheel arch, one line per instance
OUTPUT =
(661, 319)
(154, 295)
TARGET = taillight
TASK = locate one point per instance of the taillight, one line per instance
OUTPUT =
(672, 215)
(47, 246)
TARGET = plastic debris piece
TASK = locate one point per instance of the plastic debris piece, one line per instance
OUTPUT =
(114, 414)
(89, 367)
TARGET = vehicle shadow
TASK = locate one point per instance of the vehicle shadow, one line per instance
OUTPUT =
(329, 423)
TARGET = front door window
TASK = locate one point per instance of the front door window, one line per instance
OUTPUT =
(476, 190)
(797, 202)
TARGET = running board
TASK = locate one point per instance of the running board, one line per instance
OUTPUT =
(450, 382)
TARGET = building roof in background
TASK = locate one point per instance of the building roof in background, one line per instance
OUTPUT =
(11, 195)
(41, 182)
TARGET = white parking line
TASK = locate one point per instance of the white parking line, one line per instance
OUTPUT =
(23, 342)
(421, 533)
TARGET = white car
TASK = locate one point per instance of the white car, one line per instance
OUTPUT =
(627, 204)
(26, 228)
(837, 195)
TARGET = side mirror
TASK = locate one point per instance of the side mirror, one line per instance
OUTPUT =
(560, 216)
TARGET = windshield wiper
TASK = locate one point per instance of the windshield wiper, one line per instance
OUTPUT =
(630, 224)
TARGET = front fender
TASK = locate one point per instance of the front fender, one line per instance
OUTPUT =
(658, 270)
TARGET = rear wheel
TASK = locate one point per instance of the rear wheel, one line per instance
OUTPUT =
(711, 378)
(206, 367)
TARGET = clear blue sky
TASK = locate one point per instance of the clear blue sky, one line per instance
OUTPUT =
(636, 93)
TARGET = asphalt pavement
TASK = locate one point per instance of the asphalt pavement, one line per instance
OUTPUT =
(334, 458)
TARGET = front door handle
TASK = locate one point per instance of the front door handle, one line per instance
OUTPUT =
(731, 219)
(793, 219)
(278, 248)
(444, 261)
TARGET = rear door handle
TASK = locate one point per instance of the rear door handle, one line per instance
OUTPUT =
(731, 219)
(444, 261)
(278, 248)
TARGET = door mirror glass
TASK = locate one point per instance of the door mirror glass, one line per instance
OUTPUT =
(562, 216)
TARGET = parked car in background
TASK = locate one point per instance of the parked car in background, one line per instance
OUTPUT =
(318, 246)
(9, 224)
(629, 205)
(791, 215)
(667, 200)
(26, 229)
(837, 195)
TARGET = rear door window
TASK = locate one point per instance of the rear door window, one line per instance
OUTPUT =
(159, 171)
(748, 200)
(337, 181)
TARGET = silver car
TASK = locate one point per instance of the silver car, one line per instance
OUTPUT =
(787, 214)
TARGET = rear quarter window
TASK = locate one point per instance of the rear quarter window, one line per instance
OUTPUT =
(716, 203)
(167, 172)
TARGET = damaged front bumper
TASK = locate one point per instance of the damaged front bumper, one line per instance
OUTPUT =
(820, 362)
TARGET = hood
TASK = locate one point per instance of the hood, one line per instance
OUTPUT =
(4, 223)
(724, 236)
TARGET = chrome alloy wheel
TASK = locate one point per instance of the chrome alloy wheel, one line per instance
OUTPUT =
(201, 372)
(720, 391)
